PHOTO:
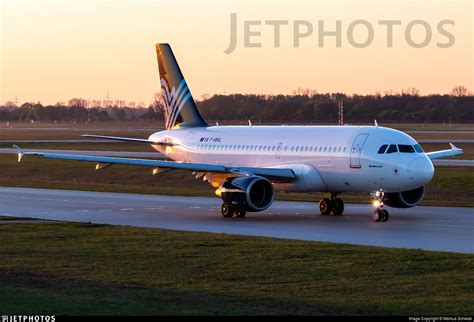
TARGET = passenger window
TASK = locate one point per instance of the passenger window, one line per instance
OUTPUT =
(405, 148)
(383, 148)
(325, 149)
(392, 149)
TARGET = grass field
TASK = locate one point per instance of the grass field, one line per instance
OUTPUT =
(72, 268)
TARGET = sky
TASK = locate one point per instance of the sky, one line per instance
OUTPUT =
(54, 50)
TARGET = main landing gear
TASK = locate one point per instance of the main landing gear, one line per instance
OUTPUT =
(228, 211)
(379, 214)
(333, 205)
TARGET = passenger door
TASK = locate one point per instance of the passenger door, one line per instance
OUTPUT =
(356, 150)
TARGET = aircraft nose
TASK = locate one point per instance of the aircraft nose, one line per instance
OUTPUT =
(420, 170)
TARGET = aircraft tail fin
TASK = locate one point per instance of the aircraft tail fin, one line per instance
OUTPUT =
(180, 109)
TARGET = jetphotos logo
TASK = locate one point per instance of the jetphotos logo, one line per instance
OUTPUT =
(357, 33)
(28, 318)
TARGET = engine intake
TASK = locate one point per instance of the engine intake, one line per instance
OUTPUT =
(248, 193)
(404, 199)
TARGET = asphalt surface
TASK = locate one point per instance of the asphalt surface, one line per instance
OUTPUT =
(429, 228)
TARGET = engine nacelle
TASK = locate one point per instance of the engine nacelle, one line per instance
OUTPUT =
(404, 199)
(247, 193)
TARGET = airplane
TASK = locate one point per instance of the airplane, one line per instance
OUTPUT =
(247, 164)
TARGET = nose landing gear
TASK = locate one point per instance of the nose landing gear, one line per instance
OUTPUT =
(379, 214)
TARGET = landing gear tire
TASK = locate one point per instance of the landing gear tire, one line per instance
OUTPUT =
(240, 214)
(337, 207)
(325, 207)
(377, 215)
(227, 211)
(380, 215)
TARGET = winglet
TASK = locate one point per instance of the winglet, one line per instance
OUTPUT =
(445, 153)
(455, 148)
(20, 152)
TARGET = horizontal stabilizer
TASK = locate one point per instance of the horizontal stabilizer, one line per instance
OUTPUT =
(134, 140)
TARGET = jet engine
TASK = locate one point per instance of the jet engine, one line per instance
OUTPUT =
(247, 193)
(404, 199)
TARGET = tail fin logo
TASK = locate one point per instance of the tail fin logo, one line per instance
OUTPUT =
(174, 101)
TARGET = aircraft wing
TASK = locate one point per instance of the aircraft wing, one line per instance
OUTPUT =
(445, 153)
(280, 175)
(135, 140)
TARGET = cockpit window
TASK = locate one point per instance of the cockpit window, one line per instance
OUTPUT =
(405, 148)
(383, 148)
(418, 148)
(392, 148)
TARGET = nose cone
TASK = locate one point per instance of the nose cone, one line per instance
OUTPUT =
(420, 171)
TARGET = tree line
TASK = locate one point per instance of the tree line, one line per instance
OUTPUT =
(319, 108)
(301, 107)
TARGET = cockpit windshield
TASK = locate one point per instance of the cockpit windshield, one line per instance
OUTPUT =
(402, 148)
(392, 149)
(383, 148)
(405, 148)
(418, 148)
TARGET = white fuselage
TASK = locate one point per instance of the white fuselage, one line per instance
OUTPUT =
(324, 158)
